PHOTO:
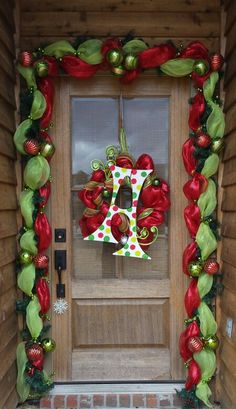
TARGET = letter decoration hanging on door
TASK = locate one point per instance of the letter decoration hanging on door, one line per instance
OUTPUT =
(134, 228)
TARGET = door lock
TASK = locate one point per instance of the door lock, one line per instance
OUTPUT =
(60, 265)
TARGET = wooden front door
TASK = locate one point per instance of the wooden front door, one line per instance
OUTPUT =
(125, 314)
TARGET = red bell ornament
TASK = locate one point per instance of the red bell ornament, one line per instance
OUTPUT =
(216, 62)
(195, 344)
(31, 147)
(211, 266)
(25, 58)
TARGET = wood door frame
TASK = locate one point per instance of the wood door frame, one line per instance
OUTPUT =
(178, 90)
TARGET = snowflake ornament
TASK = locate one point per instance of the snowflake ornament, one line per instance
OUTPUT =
(60, 306)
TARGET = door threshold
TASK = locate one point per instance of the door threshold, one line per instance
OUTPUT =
(106, 388)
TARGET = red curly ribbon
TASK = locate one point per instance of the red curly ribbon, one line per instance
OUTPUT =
(78, 68)
(196, 111)
(47, 88)
(154, 57)
(43, 294)
(195, 187)
(192, 299)
(194, 375)
(189, 160)
(43, 231)
(192, 330)
(195, 50)
(190, 254)
(192, 216)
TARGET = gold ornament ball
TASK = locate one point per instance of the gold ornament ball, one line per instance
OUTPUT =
(48, 344)
(195, 268)
(115, 57)
(131, 62)
(118, 71)
(212, 342)
(217, 145)
(201, 67)
(47, 149)
(25, 257)
(41, 68)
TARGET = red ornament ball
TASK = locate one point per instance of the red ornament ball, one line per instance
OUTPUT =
(34, 353)
(216, 62)
(203, 140)
(31, 147)
(211, 266)
(195, 344)
(25, 58)
(41, 261)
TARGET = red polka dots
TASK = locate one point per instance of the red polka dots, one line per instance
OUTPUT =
(130, 233)
(132, 247)
(134, 171)
(120, 181)
(115, 208)
(100, 235)
(112, 167)
(135, 204)
(133, 181)
(108, 222)
(134, 215)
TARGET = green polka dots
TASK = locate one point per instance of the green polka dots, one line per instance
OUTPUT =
(134, 195)
(126, 246)
(134, 229)
(108, 214)
(117, 174)
(145, 256)
(127, 253)
(106, 238)
(144, 174)
(129, 209)
(91, 237)
(101, 227)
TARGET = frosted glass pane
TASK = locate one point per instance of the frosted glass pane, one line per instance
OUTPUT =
(94, 126)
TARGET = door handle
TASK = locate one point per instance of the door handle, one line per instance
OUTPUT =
(60, 265)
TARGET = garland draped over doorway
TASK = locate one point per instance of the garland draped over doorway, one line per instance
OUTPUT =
(126, 60)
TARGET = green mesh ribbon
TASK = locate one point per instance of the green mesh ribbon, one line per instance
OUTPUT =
(28, 242)
(215, 123)
(207, 200)
(26, 279)
(59, 49)
(20, 135)
(38, 105)
(209, 86)
(37, 172)
(134, 46)
(211, 165)
(208, 325)
(90, 51)
(206, 240)
(27, 207)
(22, 387)
(33, 320)
(204, 284)
(206, 360)
(28, 74)
(178, 67)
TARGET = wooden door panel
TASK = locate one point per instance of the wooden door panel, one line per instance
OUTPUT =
(125, 325)
(121, 364)
(120, 322)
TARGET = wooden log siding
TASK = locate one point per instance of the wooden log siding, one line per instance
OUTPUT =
(8, 210)
(228, 301)
(45, 21)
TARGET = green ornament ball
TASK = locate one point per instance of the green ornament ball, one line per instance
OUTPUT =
(41, 68)
(115, 57)
(156, 182)
(217, 145)
(195, 268)
(118, 71)
(47, 149)
(211, 342)
(131, 62)
(48, 344)
(106, 193)
(25, 257)
(201, 67)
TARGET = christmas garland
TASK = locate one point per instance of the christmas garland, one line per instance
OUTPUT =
(125, 59)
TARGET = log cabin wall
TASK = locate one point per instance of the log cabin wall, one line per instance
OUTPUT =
(228, 300)
(8, 209)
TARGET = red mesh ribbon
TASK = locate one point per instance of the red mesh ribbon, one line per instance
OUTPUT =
(192, 216)
(196, 110)
(43, 231)
(53, 70)
(192, 299)
(194, 375)
(190, 254)
(44, 193)
(154, 57)
(130, 76)
(198, 81)
(47, 88)
(43, 295)
(195, 50)
(195, 187)
(191, 331)
(78, 68)
(145, 161)
(189, 160)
